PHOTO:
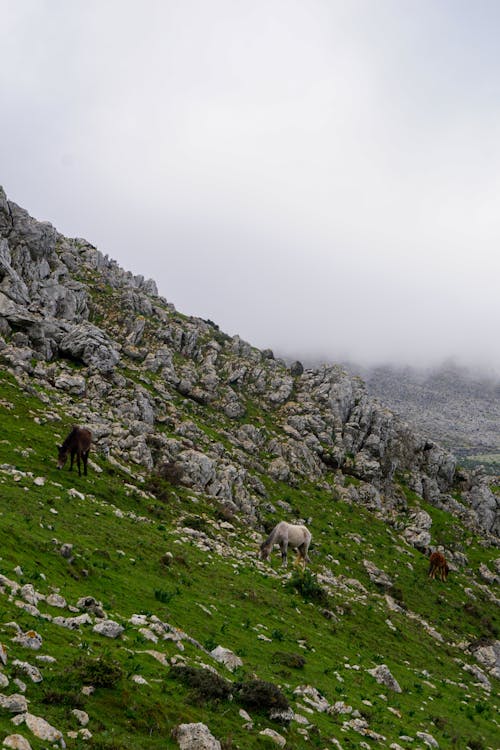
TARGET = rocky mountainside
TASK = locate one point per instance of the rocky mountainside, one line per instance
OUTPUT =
(460, 408)
(202, 443)
(142, 367)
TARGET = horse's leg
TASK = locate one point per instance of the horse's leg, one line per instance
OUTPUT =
(85, 457)
(300, 556)
(284, 557)
(72, 459)
(78, 463)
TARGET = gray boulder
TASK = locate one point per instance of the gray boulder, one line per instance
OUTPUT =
(90, 345)
(195, 737)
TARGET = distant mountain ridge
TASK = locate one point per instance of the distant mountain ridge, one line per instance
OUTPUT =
(458, 407)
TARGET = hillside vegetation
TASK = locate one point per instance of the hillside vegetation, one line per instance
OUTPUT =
(117, 588)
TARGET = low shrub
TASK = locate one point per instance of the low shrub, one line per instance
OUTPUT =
(288, 659)
(171, 471)
(204, 684)
(102, 672)
(260, 695)
(306, 584)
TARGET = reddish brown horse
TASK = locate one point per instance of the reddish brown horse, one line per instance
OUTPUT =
(77, 444)
(437, 564)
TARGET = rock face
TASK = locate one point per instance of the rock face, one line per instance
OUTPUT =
(74, 320)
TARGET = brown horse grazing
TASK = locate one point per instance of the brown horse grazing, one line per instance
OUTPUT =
(437, 564)
(78, 444)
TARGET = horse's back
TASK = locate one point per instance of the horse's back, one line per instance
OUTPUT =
(298, 534)
(79, 438)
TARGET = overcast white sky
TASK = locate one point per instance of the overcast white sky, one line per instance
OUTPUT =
(320, 176)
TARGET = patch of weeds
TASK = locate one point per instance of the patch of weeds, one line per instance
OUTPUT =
(164, 596)
(172, 472)
(288, 659)
(260, 695)
(157, 487)
(103, 744)
(277, 635)
(196, 522)
(397, 593)
(102, 672)
(204, 684)
(306, 584)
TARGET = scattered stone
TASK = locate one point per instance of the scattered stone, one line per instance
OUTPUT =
(427, 739)
(195, 736)
(376, 575)
(33, 673)
(16, 742)
(108, 628)
(339, 707)
(66, 550)
(312, 697)
(93, 606)
(43, 730)
(139, 680)
(384, 677)
(72, 623)
(81, 716)
(274, 736)
(15, 703)
(226, 657)
(30, 639)
(56, 600)
(480, 676)
(489, 656)
(148, 635)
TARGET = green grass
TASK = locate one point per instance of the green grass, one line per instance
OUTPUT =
(228, 599)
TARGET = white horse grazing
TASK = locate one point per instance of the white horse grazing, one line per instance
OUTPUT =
(288, 535)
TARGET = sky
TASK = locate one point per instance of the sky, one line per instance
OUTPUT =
(321, 177)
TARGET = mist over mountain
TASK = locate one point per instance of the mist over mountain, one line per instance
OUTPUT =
(458, 406)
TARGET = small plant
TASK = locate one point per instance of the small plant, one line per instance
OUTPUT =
(306, 584)
(196, 522)
(172, 472)
(163, 596)
(260, 695)
(288, 659)
(204, 684)
(102, 672)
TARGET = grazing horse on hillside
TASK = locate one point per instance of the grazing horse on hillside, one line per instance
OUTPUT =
(437, 564)
(287, 535)
(78, 444)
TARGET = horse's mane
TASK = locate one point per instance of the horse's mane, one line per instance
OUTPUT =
(70, 437)
(270, 539)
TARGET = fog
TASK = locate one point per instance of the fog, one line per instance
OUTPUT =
(320, 177)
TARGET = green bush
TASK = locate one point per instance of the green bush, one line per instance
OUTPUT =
(203, 683)
(260, 695)
(101, 672)
(288, 659)
(306, 584)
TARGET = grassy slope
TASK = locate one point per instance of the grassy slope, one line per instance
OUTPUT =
(125, 572)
